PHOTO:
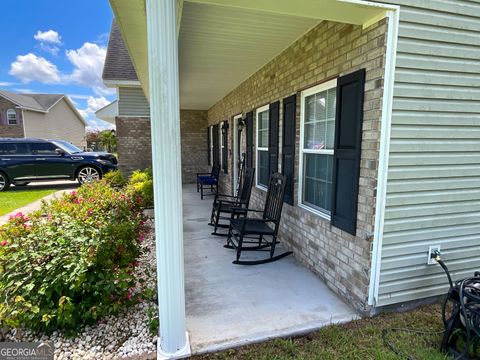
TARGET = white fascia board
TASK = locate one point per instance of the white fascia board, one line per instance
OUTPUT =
(123, 83)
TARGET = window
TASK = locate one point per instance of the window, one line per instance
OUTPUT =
(43, 149)
(317, 133)
(14, 149)
(11, 117)
(221, 142)
(210, 129)
(262, 146)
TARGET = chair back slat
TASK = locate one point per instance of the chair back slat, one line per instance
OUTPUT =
(274, 199)
(241, 174)
(246, 190)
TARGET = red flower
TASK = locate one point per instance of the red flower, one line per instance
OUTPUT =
(4, 243)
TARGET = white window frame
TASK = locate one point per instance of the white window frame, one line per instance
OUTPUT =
(308, 92)
(222, 145)
(9, 112)
(210, 129)
(257, 148)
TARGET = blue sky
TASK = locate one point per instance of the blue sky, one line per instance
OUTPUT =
(57, 46)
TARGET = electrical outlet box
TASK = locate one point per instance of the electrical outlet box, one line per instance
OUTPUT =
(432, 249)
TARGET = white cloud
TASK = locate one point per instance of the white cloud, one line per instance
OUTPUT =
(6, 83)
(25, 91)
(88, 67)
(31, 67)
(49, 36)
(93, 104)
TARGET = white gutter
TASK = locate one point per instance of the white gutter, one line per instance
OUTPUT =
(386, 124)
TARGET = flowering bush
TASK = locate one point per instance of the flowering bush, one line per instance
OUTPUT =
(141, 185)
(72, 261)
(115, 179)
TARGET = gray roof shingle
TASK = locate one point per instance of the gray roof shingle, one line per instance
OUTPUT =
(118, 64)
(39, 102)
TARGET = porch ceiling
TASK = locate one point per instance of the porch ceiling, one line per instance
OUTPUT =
(223, 42)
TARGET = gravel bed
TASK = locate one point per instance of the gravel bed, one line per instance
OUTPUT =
(123, 336)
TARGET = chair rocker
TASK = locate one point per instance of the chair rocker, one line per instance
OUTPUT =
(258, 234)
(223, 205)
(208, 179)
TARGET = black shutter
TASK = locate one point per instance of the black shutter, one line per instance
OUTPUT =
(249, 126)
(225, 147)
(208, 146)
(348, 140)
(273, 115)
(288, 145)
(216, 150)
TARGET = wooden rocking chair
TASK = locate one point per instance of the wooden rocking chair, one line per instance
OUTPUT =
(208, 179)
(223, 204)
(261, 233)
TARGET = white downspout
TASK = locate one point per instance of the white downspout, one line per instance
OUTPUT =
(165, 121)
(386, 125)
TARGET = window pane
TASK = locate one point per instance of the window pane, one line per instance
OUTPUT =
(43, 149)
(263, 175)
(318, 181)
(262, 133)
(13, 149)
(319, 121)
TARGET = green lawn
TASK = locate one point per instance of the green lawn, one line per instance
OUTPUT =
(11, 200)
(360, 340)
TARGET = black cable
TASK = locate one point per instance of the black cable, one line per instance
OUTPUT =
(397, 351)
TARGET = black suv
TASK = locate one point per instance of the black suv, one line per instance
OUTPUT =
(25, 160)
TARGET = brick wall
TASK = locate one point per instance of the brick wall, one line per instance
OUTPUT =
(331, 49)
(135, 150)
(4, 106)
(11, 131)
(193, 128)
(133, 143)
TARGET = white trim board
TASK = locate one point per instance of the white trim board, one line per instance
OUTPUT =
(386, 124)
(257, 149)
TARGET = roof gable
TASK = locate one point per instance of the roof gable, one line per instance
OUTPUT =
(118, 65)
(34, 102)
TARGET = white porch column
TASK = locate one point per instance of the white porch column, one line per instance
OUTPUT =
(165, 121)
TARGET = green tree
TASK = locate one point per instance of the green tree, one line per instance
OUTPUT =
(108, 140)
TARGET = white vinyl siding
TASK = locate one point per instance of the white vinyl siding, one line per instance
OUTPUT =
(132, 102)
(262, 121)
(433, 188)
(317, 133)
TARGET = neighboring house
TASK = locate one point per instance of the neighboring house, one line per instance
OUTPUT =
(131, 114)
(372, 111)
(44, 116)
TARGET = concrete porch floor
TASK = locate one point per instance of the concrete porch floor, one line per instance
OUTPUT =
(230, 305)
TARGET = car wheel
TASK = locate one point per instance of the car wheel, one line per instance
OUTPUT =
(4, 182)
(88, 174)
(21, 183)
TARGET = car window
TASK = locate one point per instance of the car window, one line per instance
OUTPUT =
(14, 149)
(43, 149)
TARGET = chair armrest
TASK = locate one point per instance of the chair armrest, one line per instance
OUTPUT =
(199, 174)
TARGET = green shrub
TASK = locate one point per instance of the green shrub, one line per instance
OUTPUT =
(115, 179)
(140, 186)
(71, 262)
